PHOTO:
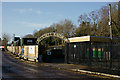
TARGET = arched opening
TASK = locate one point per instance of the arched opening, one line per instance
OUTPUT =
(51, 48)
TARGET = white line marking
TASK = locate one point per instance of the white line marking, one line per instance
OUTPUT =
(115, 76)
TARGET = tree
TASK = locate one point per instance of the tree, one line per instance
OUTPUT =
(29, 36)
(115, 20)
(68, 28)
(104, 21)
(65, 27)
(5, 39)
(42, 31)
(84, 28)
(96, 23)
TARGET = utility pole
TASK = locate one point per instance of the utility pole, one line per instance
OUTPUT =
(110, 21)
(110, 24)
(119, 11)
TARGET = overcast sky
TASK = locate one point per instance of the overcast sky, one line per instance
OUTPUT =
(22, 18)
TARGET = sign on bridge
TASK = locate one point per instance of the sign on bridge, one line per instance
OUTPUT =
(52, 34)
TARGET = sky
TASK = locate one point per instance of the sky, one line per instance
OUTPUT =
(22, 18)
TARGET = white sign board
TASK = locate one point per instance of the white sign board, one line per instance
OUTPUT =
(31, 49)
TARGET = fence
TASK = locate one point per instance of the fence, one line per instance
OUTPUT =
(29, 52)
(97, 54)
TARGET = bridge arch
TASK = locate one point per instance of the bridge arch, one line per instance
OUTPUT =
(50, 35)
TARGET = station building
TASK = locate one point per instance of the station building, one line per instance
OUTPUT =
(93, 50)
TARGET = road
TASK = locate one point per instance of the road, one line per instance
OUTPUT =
(13, 68)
